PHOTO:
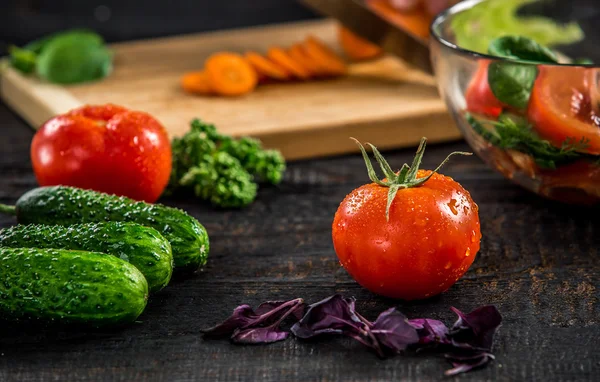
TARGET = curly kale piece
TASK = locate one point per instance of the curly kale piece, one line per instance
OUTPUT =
(267, 165)
(221, 169)
(221, 179)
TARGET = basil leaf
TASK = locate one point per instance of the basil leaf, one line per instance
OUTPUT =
(511, 83)
(522, 49)
(74, 58)
(22, 59)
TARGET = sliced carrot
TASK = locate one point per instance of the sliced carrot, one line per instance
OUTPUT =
(297, 53)
(355, 47)
(265, 67)
(230, 74)
(280, 57)
(416, 21)
(196, 83)
(324, 56)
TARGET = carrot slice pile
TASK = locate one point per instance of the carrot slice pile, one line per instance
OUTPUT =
(231, 74)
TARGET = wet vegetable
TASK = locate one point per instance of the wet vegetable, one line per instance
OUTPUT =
(66, 206)
(141, 246)
(106, 148)
(79, 287)
(409, 236)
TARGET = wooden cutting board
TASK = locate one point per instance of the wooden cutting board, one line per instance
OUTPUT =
(383, 102)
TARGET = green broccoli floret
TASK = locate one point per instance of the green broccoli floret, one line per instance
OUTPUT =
(221, 169)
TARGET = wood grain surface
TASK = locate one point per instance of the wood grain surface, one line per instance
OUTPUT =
(538, 263)
(383, 101)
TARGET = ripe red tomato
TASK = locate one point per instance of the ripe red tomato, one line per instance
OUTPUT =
(104, 148)
(428, 243)
(479, 96)
(560, 107)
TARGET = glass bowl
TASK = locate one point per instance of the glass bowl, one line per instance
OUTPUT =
(536, 122)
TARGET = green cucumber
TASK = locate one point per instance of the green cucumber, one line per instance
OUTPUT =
(60, 205)
(143, 247)
(67, 286)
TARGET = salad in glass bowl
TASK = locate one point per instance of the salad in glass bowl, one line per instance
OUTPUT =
(524, 104)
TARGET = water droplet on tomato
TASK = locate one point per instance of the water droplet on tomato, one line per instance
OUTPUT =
(474, 237)
(448, 265)
(468, 252)
(452, 206)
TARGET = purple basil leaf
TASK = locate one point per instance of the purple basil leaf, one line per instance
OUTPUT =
(266, 307)
(463, 364)
(266, 315)
(259, 335)
(393, 331)
(299, 312)
(334, 314)
(242, 315)
(476, 329)
(430, 331)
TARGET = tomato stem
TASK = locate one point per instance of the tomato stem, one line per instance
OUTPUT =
(9, 210)
(406, 177)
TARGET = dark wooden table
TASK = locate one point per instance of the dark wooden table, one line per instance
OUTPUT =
(538, 263)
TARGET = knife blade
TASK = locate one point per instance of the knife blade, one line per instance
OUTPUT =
(360, 19)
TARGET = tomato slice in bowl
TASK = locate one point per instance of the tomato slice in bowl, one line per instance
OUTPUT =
(560, 108)
(479, 96)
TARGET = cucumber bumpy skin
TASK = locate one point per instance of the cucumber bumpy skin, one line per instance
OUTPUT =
(60, 205)
(141, 246)
(66, 286)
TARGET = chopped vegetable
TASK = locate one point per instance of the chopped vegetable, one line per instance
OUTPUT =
(66, 58)
(477, 26)
(197, 83)
(561, 107)
(357, 48)
(266, 67)
(230, 74)
(298, 54)
(410, 236)
(325, 57)
(104, 148)
(416, 21)
(515, 133)
(280, 57)
(467, 344)
(479, 96)
(221, 169)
